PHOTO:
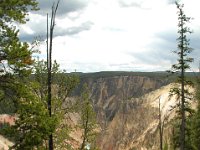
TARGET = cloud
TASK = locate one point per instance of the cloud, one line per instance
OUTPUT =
(144, 4)
(171, 1)
(100, 35)
(153, 59)
(165, 43)
(84, 66)
(68, 20)
(130, 3)
(36, 27)
(64, 7)
(195, 44)
(77, 29)
(165, 40)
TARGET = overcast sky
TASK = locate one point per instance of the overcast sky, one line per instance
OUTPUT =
(114, 35)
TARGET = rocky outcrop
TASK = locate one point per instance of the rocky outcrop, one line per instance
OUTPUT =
(5, 143)
(8, 119)
(125, 110)
(137, 127)
(109, 93)
(5, 118)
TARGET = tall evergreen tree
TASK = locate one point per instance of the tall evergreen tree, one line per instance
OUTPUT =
(15, 56)
(183, 64)
(88, 120)
(62, 86)
(33, 124)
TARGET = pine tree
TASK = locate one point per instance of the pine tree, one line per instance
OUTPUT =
(15, 56)
(33, 124)
(62, 86)
(88, 120)
(182, 93)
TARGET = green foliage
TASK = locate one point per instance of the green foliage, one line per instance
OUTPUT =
(165, 146)
(182, 137)
(88, 119)
(15, 56)
(190, 133)
(15, 66)
(183, 42)
(195, 122)
(28, 99)
(8, 92)
(62, 85)
(33, 123)
(16, 10)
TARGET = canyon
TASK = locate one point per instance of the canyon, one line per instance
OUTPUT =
(127, 109)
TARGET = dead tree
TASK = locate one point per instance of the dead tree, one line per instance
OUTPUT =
(49, 63)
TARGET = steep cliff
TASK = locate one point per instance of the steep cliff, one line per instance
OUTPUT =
(125, 110)
(137, 127)
(109, 93)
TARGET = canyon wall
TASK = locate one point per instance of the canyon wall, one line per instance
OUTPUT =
(124, 111)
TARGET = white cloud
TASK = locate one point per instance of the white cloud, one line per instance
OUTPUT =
(116, 34)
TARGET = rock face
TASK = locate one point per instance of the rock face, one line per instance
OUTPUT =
(125, 116)
(137, 127)
(4, 143)
(108, 94)
(5, 118)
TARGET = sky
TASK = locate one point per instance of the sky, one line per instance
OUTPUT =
(114, 35)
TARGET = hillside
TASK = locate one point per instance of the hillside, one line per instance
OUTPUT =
(137, 126)
(120, 101)
(126, 104)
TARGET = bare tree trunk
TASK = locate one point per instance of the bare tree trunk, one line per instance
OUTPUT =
(49, 65)
(160, 127)
(49, 62)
